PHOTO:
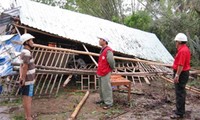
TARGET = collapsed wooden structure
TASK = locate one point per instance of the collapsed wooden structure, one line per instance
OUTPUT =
(57, 66)
(64, 61)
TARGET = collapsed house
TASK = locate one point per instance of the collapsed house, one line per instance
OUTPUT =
(66, 49)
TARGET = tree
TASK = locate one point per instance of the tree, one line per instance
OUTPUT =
(172, 17)
(140, 20)
(106, 9)
(60, 3)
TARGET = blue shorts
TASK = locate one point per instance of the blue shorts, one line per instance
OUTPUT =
(27, 90)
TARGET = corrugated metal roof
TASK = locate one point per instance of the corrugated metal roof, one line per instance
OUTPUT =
(85, 28)
(6, 15)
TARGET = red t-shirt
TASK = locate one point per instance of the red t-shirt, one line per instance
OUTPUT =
(182, 58)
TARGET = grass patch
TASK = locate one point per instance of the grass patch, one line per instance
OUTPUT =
(18, 117)
(15, 102)
(194, 83)
(77, 93)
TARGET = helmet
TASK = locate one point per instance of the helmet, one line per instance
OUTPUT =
(25, 37)
(104, 38)
(181, 37)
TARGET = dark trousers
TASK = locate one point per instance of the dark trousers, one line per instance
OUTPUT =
(180, 92)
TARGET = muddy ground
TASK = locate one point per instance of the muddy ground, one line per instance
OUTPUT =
(154, 102)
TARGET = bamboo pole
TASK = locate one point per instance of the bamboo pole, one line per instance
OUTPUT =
(79, 106)
(95, 54)
(190, 88)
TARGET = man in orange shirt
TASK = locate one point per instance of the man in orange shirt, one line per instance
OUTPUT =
(181, 68)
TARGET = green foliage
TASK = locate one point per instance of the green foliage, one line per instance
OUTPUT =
(140, 20)
(194, 45)
(172, 17)
(51, 2)
(116, 19)
(106, 9)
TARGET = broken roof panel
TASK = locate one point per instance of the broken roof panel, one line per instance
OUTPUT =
(85, 28)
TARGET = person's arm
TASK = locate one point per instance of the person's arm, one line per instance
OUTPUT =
(178, 72)
(181, 62)
(110, 59)
(25, 59)
(23, 72)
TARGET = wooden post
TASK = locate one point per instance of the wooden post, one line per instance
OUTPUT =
(67, 80)
(77, 109)
(17, 31)
(25, 30)
(90, 55)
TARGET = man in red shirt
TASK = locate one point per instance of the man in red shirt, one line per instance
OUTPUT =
(106, 64)
(181, 68)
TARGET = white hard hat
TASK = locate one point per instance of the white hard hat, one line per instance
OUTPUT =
(181, 37)
(25, 37)
(104, 38)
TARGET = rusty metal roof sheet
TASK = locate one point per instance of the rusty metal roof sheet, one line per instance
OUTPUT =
(86, 28)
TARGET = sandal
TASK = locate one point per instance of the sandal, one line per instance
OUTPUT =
(175, 116)
(107, 107)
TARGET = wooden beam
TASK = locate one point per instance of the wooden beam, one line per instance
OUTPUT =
(90, 55)
(38, 31)
(93, 72)
(79, 106)
(190, 88)
(95, 54)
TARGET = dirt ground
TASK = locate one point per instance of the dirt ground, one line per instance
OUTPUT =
(154, 102)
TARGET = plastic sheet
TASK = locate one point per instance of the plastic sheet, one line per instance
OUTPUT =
(9, 53)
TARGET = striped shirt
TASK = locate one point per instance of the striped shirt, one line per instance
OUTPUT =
(27, 58)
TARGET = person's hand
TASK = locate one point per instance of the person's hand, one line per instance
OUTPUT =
(21, 81)
(176, 79)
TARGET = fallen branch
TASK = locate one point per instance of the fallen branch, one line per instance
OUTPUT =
(192, 89)
(77, 109)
